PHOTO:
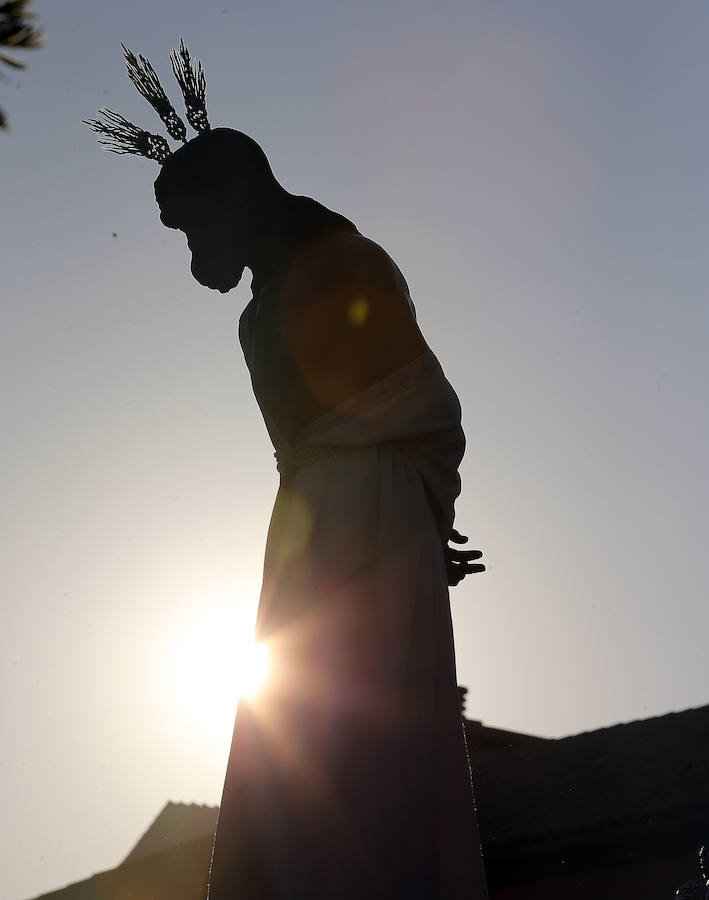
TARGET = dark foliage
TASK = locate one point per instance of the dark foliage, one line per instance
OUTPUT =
(17, 32)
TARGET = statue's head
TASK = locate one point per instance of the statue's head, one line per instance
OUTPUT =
(220, 191)
(217, 187)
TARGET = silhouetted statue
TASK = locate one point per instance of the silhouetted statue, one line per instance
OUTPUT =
(348, 775)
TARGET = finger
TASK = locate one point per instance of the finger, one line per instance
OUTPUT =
(465, 568)
(463, 555)
(457, 537)
(469, 569)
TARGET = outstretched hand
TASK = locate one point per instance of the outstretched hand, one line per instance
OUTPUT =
(459, 563)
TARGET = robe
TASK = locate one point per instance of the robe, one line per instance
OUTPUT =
(348, 776)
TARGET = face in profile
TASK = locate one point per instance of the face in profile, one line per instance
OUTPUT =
(215, 237)
(215, 188)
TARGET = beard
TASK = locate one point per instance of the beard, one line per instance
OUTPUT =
(222, 278)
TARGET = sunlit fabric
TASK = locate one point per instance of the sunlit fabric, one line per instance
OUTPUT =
(348, 775)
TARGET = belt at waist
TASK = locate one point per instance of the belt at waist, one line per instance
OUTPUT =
(288, 459)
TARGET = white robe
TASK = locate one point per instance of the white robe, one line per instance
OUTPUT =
(348, 775)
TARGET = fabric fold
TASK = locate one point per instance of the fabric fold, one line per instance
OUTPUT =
(348, 775)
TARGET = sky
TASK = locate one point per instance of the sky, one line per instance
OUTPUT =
(539, 173)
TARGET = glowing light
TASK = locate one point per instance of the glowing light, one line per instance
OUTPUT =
(209, 661)
(358, 311)
(253, 670)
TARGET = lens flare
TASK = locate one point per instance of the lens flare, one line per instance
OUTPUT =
(358, 311)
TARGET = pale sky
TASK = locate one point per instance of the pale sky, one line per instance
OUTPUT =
(539, 173)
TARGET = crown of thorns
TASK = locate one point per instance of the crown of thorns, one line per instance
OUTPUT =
(123, 136)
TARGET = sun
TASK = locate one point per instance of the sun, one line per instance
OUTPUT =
(210, 660)
(252, 669)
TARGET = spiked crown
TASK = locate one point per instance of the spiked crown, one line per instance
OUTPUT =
(122, 136)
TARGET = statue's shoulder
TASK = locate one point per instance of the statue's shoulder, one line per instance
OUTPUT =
(354, 249)
(349, 258)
